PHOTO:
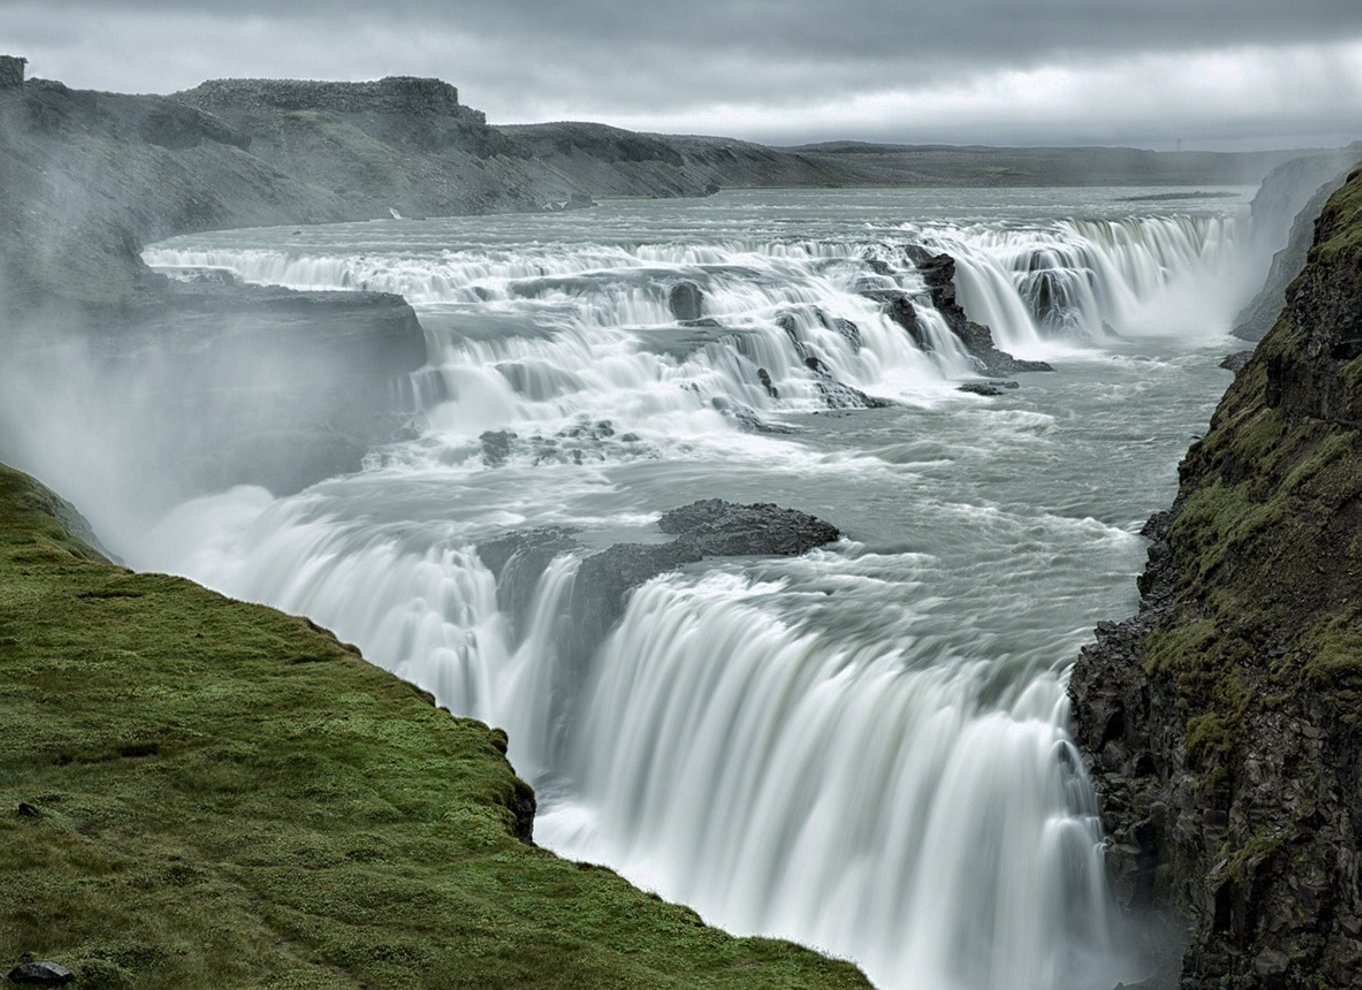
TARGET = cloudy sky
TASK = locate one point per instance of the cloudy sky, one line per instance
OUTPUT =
(1209, 73)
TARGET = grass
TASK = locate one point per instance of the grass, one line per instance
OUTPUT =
(1342, 219)
(226, 796)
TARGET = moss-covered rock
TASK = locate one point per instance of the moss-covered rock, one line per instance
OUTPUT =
(1224, 722)
(221, 795)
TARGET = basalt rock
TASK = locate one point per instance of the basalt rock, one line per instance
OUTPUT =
(938, 271)
(710, 528)
(835, 393)
(986, 388)
(899, 308)
(839, 395)
(726, 529)
(685, 300)
(1223, 723)
(1235, 361)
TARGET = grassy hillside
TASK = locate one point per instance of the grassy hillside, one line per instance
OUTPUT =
(198, 792)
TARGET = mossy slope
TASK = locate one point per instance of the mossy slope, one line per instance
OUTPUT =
(1225, 721)
(226, 796)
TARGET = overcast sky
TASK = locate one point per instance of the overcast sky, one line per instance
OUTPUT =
(1211, 73)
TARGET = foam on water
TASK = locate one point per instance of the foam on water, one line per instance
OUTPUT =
(864, 749)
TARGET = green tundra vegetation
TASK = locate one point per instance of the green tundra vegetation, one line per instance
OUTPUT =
(199, 792)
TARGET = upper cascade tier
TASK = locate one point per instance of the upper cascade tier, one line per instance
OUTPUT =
(526, 331)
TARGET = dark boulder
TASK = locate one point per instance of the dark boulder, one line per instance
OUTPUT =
(764, 377)
(917, 254)
(727, 529)
(901, 310)
(685, 300)
(986, 388)
(709, 528)
(40, 972)
(496, 446)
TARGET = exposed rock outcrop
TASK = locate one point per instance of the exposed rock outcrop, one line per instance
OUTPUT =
(686, 301)
(1222, 722)
(708, 528)
(938, 271)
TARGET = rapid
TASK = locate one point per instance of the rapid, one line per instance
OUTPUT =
(864, 748)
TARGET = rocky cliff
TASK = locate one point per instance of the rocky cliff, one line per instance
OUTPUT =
(1290, 198)
(1224, 721)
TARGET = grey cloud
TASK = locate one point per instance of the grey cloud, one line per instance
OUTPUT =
(750, 64)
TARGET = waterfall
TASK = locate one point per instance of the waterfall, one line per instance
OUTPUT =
(864, 749)
(865, 801)
(534, 336)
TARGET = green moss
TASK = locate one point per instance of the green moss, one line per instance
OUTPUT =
(1208, 735)
(229, 797)
(1342, 218)
(1260, 846)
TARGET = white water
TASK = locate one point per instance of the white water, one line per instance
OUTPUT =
(864, 749)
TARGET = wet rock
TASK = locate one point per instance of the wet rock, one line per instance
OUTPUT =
(685, 300)
(879, 267)
(710, 528)
(727, 529)
(1233, 362)
(496, 446)
(518, 560)
(899, 308)
(40, 972)
(986, 388)
(764, 377)
(839, 395)
(834, 393)
(938, 271)
(846, 329)
(745, 417)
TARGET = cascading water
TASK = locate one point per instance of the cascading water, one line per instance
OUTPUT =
(863, 748)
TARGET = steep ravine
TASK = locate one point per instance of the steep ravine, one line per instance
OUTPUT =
(1224, 721)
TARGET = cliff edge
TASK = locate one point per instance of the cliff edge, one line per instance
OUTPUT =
(1224, 722)
(200, 792)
